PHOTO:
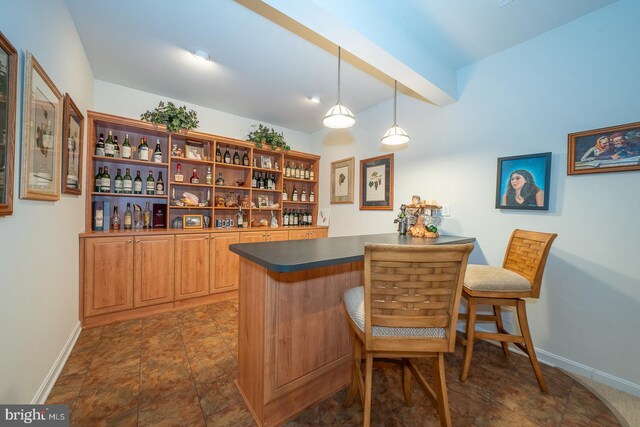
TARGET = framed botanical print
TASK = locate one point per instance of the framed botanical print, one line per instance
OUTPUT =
(8, 87)
(342, 174)
(41, 134)
(72, 137)
(523, 182)
(376, 183)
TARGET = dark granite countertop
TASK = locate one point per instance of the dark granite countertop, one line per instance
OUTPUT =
(295, 255)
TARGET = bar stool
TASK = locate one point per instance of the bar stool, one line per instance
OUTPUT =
(407, 308)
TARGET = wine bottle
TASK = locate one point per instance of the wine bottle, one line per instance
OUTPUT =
(151, 184)
(160, 185)
(227, 156)
(307, 174)
(236, 157)
(269, 184)
(312, 175)
(108, 145)
(287, 170)
(126, 147)
(194, 177)
(178, 177)
(100, 146)
(98, 219)
(143, 150)
(116, 147)
(98, 181)
(128, 217)
(296, 217)
(137, 184)
(208, 178)
(294, 194)
(285, 195)
(253, 180)
(297, 172)
(117, 183)
(285, 219)
(260, 181)
(303, 195)
(218, 154)
(105, 186)
(115, 219)
(127, 183)
(157, 153)
(312, 196)
(220, 180)
(146, 217)
(245, 158)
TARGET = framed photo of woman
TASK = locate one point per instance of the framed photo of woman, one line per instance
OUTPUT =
(523, 182)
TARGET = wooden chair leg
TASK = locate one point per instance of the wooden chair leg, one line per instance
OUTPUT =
(471, 325)
(368, 379)
(500, 328)
(355, 371)
(531, 351)
(406, 382)
(441, 390)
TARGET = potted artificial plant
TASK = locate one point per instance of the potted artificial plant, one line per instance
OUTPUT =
(176, 119)
(263, 135)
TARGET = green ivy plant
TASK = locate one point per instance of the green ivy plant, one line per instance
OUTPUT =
(262, 135)
(174, 118)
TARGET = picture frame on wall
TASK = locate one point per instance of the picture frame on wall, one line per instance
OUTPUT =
(342, 176)
(8, 90)
(523, 182)
(376, 183)
(73, 142)
(41, 134)
(611, 149)
(193, 150)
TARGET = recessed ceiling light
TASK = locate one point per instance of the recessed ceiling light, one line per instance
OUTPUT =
(202, 55)
(315, 99)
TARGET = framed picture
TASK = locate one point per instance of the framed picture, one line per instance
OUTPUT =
(523, 182)
(264, 201)
(193, 150)
(192, 221)
(72, 136)
(8, 88)
(612, 149)
(265, 162)
(41, 134)
(342, 180)
(376, 183)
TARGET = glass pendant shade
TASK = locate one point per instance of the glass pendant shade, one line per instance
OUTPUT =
(339, 116)
(395, 135)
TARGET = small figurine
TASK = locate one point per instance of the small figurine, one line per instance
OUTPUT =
(206, 220)
(245, 202)
(176, 151)
(274, 221)
(276, 167)
(176, 223)
(402, 220)
(219, 201)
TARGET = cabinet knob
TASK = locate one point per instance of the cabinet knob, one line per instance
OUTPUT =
(129, 241)
(206, 238)
(138, 241)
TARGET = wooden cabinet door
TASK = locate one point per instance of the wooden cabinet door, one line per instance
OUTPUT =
(277, 235)
(298, 234)
(153, 270)
(318, 233)
(253, 236)
(108, 275)
(192, 266)
(225, 265)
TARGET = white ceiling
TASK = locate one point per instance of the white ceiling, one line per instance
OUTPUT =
(266, 72)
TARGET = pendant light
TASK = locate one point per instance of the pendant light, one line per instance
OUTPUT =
(395, 135)
(338, 116)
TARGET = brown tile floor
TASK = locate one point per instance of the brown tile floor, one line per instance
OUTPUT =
(177, 369)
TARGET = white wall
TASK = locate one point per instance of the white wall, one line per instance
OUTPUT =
(581, 76)
(39, 242)
(127, 102)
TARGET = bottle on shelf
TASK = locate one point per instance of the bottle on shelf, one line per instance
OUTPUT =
(287, 170)
(143, 150)
(105, 186)
(312, 196)
(126, 147)
(108, 145)
(146, 216)
(127, 183)
(269, 182)
(100, 146)
(151, 184)
(220, 179)
(285, 195)
(245, 158)
(312, 175)
(137, 184)
(98, 181)
(194, 177)
(98, 218)
(227, 156)
(115, 219)
(128, 217)
(157, 153)
(273, 180)
(285, 219)
(178, 177)
(209, 178)
(255, 161)
(117, 183)
(236, 157)
(160, 185)
(116, 147)
(218, 154)
(303, 195)
(307, 173)
(239, 218)
(254, 181)
(294, 194)
(296, 217)
(297, 172)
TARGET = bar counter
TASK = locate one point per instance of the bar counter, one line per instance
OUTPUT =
(293, 336)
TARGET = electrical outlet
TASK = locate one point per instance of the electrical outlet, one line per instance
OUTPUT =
(445, 210)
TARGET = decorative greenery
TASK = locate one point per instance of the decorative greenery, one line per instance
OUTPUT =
(174, 118)
(263, 135)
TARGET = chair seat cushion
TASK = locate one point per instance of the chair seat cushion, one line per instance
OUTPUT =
(488, 278)
(354, 303)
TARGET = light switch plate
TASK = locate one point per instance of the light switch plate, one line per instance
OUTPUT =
(445, 209)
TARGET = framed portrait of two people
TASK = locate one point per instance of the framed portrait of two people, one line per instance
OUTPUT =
(523, 182)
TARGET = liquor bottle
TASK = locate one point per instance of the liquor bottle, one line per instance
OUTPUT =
(236, 157)
(157, 153)
(117, 183)
(116, 147)
(127, 183)
(245, 158)
(273, 180)
(126, 147)
(269, 182)
(160, 185)
(194, 177)
(209, 178)
(303, 195)
(260, 181)
(98, 182)
(297, 172)
(312, 196)
(100, 146)
(143, 150)
(146, 217)
(218, 154)
(137, 184)
(285, 219)
(296, 217)
(220, 180)
(98, 218)
(115, 219)
(312, 175)
(287, 170)
(294, 194)
(178, 177)
(239, 218)
(108, 145)
(254, 182)
(128, 217)
(105, 186)
(285, 195)
(151, 184)
(307, 174)
(227, 156)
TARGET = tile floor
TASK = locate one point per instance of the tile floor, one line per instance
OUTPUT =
(177, 369)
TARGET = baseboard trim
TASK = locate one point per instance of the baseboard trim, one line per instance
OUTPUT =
(43, 392)
(554, 360)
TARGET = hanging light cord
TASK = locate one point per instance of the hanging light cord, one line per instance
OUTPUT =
(339, 74)
(395, 102)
